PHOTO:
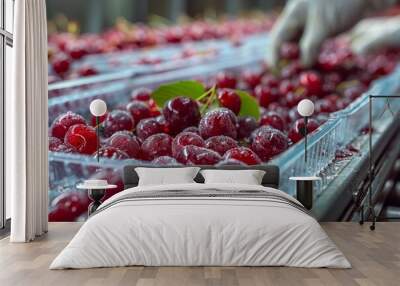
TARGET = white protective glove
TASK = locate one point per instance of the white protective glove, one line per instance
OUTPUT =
(373, 34)
(318, 19)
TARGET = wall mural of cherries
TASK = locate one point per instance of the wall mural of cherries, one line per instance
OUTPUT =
(245, 118)
(65, 50)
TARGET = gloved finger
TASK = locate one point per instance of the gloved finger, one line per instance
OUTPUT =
(373, 34)
(364, 44)
(313, 36)
(362, 28)
(289, 24)
(370, 43)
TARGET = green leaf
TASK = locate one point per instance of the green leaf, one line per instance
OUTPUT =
(189, 88)
(249, 105)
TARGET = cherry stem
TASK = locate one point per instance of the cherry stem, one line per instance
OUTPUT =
(205, 94)
(212, 96)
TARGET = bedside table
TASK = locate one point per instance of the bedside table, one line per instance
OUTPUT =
(304, 190)
(96, 194)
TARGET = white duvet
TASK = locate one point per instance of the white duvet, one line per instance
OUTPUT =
(200, 231)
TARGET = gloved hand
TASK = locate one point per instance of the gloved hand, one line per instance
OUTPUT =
(373, 34)
(318, 19)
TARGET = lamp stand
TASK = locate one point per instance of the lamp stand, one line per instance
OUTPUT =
(305, 138)
(98, 139)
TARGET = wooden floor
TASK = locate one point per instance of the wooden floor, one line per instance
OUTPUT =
(375, 257)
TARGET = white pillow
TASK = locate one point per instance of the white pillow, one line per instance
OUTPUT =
(248, 177)
(166, 176)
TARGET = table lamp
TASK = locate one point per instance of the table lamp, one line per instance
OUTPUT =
(98, 108)
(306, 109)
(304, 185)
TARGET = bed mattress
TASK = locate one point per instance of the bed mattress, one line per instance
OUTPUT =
(201, 225)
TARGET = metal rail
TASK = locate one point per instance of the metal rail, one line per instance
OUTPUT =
(344, 198)
(371, 174)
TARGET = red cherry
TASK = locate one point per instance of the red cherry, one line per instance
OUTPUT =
(61, 64)
(244, 155)
(285, 87)
(62, 215)
(148, 127)
(312, 82)
(230, 99)
(216, 122)
(334, 78)
(81, 137)
(180, 113)
(141, 94)
(166, 127)
(157, 145)
(126, 143)
(291, 70)
(87, 71)
(268, 142)
(186, 138)
(63, 122)
(174, 35)
(297, 132)
(266, 95)
(154, 110)
(138, 110)
(283, 111)
(273, 119)
(117, 120)
(194, 155)
(325, 106)
(221, 144)
(270, 81)
(101, 119)
(380, 66)
(56, 145)
(69, 206)
(293, 98)
(252, 79)
(226, 80)
(245, 126)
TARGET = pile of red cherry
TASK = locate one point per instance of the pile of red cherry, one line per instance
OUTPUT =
(65, 49)
(180, 133)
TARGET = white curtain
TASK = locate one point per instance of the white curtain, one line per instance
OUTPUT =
(26, 123)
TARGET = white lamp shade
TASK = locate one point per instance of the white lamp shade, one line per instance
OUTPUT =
(98, 107)
(305, 108)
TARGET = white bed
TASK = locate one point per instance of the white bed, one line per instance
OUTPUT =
(222, 225)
